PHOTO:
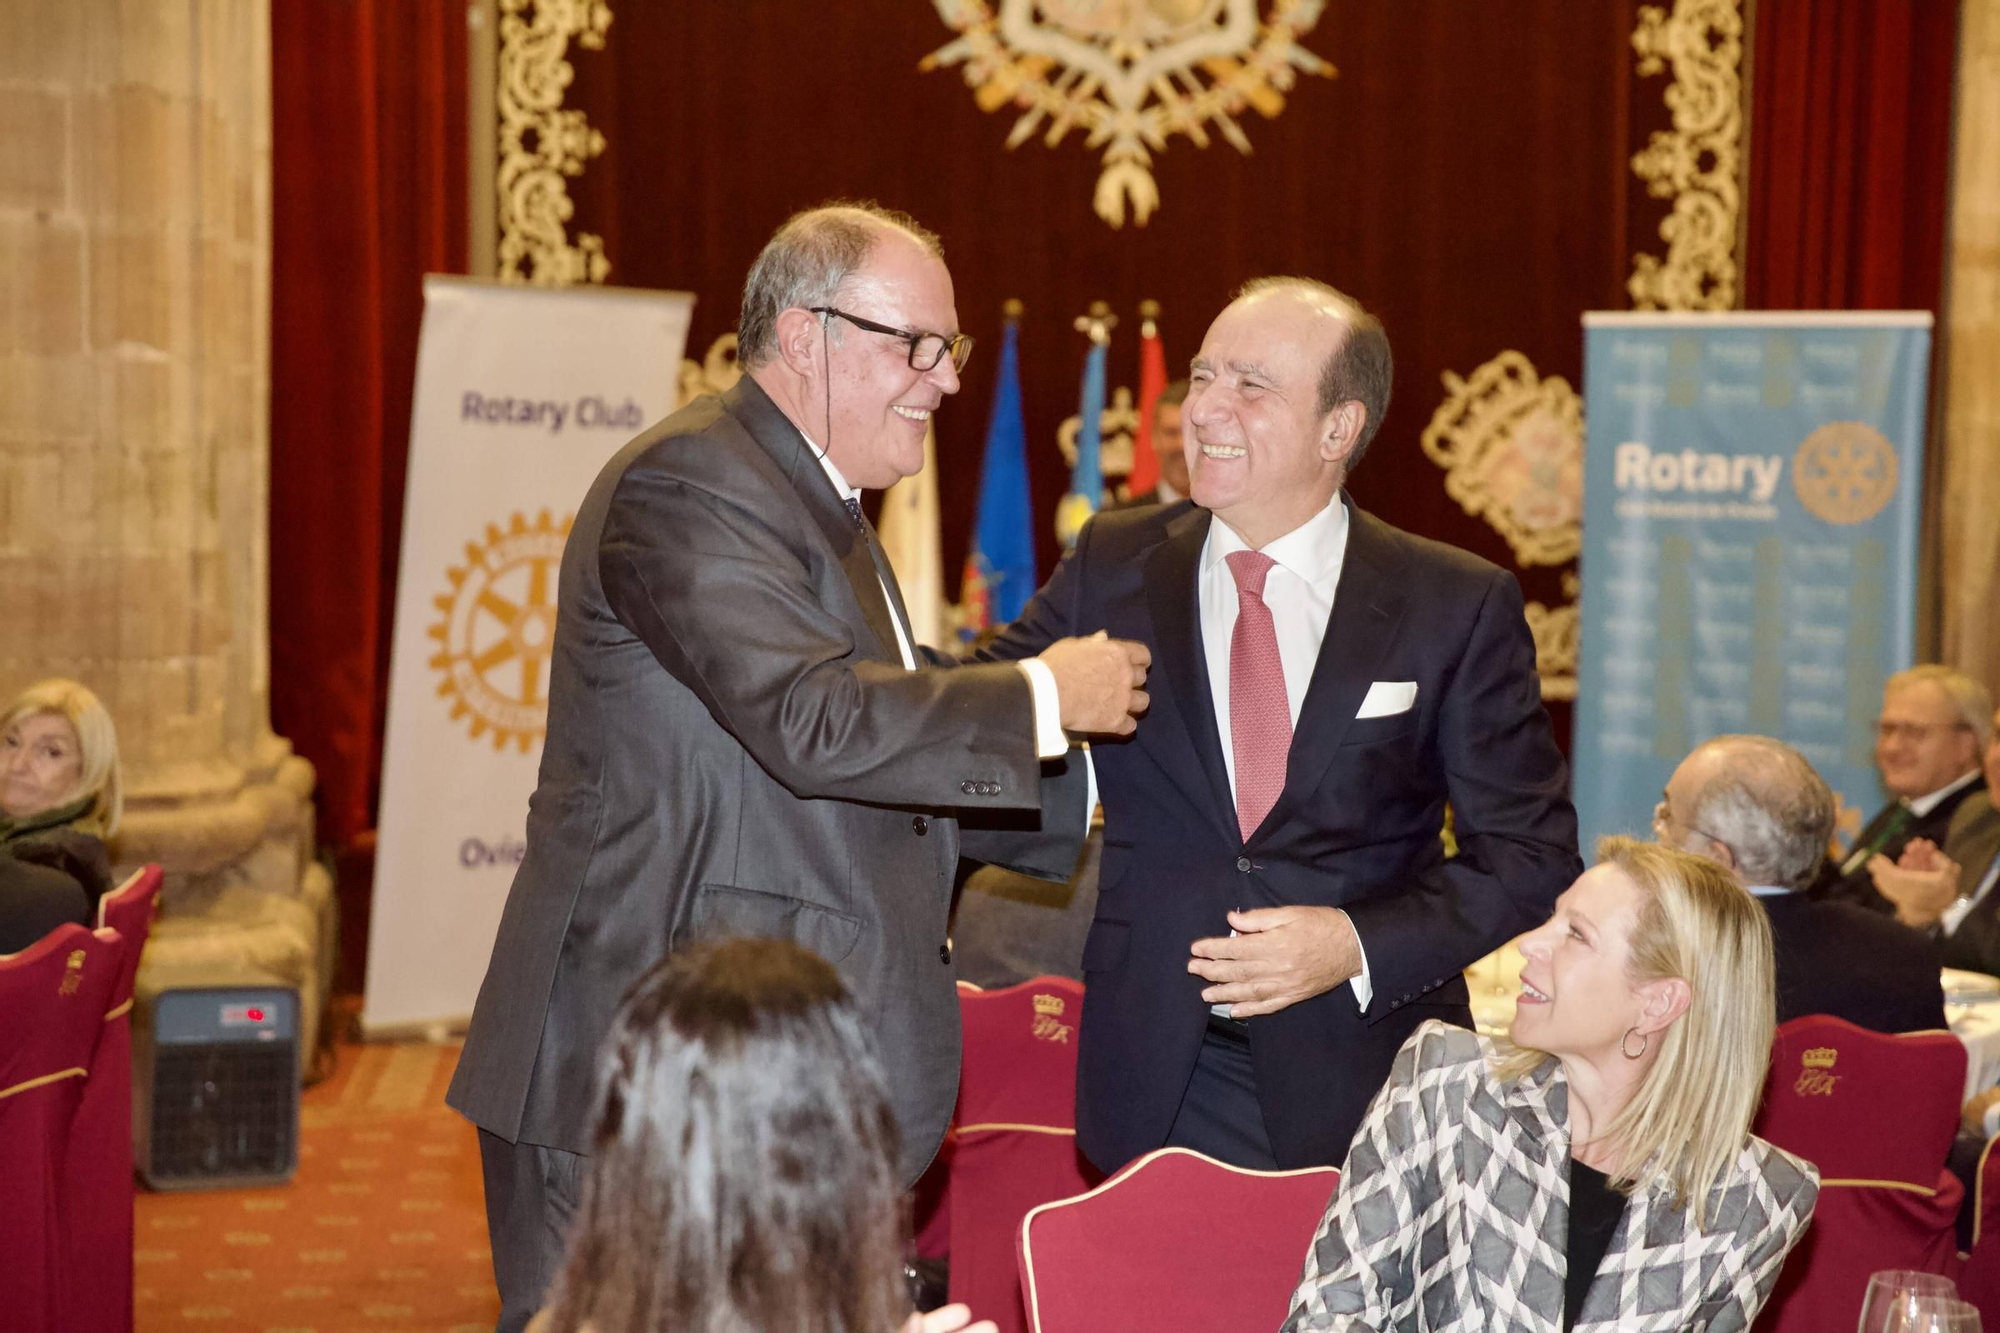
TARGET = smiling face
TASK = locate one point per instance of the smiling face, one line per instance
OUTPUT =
(1260, 453)
(41, 763)
(881, 408)
(1577, 995)
(1921, 743)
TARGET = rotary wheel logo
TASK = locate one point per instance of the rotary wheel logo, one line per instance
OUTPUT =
(496, 629)
(1845, 472)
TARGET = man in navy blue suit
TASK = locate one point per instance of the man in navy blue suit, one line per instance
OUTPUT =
(1275, 910)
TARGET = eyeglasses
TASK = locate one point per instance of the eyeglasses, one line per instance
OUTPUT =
(926, 349)
(1915, 731)
(1663, 827)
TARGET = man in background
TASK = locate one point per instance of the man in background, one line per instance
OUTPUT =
(1755, 807)
(1934, 723)
(1954, 892)
(1167, 444)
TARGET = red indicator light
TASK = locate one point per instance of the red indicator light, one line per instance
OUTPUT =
(254, 1015)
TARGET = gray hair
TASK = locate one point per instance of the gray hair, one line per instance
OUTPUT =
(1770, 808)
(1360, 369)
(807, 261)
(1972, 701)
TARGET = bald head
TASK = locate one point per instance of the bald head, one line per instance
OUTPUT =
(1756, 805)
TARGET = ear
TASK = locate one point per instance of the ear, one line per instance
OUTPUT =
(1719, 852)
(800, 336)
(1341, 429)
(1662, 1002)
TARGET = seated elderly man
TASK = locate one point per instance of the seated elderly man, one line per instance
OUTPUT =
(1934, 723)
(1755, 806)
(1952, 893)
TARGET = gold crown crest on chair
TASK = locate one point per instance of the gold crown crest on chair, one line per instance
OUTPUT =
(1049, 1004)
(1819, 1057)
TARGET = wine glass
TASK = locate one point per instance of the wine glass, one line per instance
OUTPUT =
(1941, 1314)
(1893, 1295)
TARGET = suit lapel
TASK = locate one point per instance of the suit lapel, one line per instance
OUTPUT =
(1367, 607)
(1173, 600)
(777, 436)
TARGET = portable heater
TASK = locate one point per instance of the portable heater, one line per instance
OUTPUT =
(215, 1080)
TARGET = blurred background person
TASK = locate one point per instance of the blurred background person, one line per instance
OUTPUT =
(742, 1172)
(1637, 1059)
(1950, 892)
(1169, 448)
(59, 801)
(1934, 723)
(1757, 808)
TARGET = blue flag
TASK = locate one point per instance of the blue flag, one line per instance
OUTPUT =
(1000, 571)
(1086, 479)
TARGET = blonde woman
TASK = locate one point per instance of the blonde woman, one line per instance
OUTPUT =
(1599, 1172)
(59, 801)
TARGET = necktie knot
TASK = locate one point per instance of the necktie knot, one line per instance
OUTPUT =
(853, 509)
(1249, 569)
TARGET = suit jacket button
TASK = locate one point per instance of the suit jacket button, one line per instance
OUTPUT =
(921, 825)
(944, 952)
(1243, 864)
(969, 788)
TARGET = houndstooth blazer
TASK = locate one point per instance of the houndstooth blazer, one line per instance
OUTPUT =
(1453, 1213)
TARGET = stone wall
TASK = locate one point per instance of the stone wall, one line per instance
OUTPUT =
(135, 156)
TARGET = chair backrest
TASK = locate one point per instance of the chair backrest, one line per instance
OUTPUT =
(98, 1204)
(1876, 1113)
(1174, 1240)
(1013, 1139)
(53, 995)
(1980, 1282)
(1864, 1106)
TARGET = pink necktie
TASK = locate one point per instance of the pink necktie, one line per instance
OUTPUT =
(1260, 718)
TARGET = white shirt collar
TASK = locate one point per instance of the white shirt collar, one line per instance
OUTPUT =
(1310, 550)
(1923, 805)
(832, 473)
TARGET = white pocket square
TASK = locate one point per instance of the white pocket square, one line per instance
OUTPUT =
(1386, 698)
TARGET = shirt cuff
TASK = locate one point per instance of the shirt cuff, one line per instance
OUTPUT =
(1050, 742)
(1363, 984)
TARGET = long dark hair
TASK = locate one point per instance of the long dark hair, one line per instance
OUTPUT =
(743, 1169)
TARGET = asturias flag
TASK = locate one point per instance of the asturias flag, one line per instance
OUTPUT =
(1145, 474)
(1000, 570)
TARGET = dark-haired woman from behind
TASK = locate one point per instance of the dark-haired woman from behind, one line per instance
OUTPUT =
(743, 1165)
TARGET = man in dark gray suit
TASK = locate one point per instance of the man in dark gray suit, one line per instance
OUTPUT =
(742, 737)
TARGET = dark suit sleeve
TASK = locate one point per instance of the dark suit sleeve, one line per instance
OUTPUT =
(1515, 826)
(726, 605)
(1975, 945)
(1049, 615)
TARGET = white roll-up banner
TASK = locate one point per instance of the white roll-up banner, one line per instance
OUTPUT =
(522, 393)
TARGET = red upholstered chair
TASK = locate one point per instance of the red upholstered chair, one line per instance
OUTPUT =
(1979, 1282)
(98, 1191)
(1876, 1114)
(1175, 1240)
(52, 996)
(1013, 1139)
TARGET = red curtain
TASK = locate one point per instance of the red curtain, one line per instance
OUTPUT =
(1850, 154)
(368, 189)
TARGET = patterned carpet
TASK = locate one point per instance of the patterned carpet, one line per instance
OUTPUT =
(382, 1230)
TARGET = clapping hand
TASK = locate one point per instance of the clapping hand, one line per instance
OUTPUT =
(1921, 883)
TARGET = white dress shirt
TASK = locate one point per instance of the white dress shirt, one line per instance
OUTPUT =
(1923, 805)
(1299, 591)
(1050, 742)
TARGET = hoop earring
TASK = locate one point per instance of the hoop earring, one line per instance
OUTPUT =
(1632, 1055)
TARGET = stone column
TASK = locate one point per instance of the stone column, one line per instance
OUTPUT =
(1971, 499)
(135, 217)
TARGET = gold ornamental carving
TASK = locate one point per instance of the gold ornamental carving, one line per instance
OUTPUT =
(1695, 163)
(1129, 74)
(716, 372)
(1118, 426)
(542, 145)
(1511, 445)
(1558, 633)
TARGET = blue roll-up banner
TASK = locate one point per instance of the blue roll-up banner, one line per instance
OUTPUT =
(1752, 501)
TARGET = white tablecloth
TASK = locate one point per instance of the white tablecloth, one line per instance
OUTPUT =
(1495, 981)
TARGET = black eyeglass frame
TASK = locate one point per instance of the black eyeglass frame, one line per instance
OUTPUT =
(958, 345)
